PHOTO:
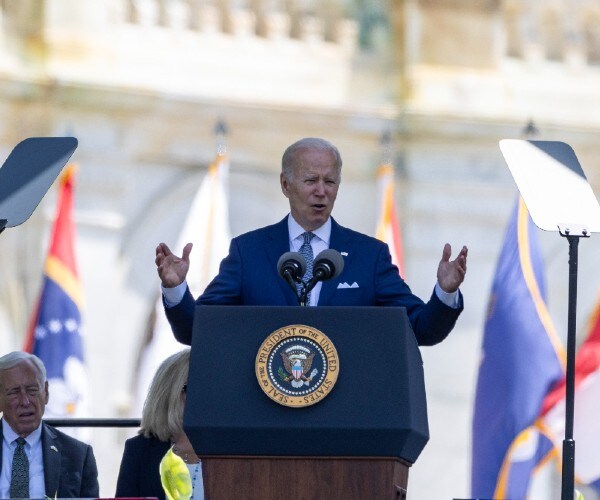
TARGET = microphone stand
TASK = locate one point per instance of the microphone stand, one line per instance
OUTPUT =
(290, 280)
(307, 288)
(324, 269)
(302, 297)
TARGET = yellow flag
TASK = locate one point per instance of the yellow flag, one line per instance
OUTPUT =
(175, 477)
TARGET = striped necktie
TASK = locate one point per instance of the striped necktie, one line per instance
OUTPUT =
(19, 478)
(307, 252)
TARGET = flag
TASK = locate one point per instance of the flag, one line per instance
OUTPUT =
(522, 359)
(55, 333)
(586, 420)
(207, 227)
(388, 228)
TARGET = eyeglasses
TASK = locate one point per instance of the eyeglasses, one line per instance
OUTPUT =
(184, 388)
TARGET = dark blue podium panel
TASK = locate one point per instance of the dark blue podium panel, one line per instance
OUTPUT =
(377, 407)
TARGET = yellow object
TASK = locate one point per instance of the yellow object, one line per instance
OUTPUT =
(175, 477)
(578, 495)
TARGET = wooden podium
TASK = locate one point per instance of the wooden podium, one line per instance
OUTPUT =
(357, 442)
(311, 478)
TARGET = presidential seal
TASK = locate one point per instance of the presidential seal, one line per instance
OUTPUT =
(297, 366)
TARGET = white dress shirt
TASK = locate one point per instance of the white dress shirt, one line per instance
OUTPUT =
(33, 450)
(319, 242)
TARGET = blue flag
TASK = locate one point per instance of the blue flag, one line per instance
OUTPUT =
(522, 359)
(55, 329)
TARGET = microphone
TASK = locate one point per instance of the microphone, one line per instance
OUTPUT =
(291, 266)
(327, 265)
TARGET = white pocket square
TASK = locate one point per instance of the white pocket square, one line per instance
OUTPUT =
(346, 285)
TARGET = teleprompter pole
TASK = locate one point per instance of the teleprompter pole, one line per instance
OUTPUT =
(568, 452)
(558, 196)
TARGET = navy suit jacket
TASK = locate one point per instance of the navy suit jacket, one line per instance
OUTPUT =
(70, 469)
(249, 276)
(139, 475)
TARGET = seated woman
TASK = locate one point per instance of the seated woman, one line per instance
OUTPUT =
(161, 431)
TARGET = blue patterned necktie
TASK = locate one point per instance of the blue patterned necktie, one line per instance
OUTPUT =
(307, 252)
(19, 478)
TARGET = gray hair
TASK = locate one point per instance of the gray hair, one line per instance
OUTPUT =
(288, 161)
(162, 415)
(14, 358)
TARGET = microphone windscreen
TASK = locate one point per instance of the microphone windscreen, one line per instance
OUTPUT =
(292, 258)
(331, 258)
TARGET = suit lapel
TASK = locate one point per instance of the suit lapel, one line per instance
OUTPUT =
(276, 244)
(342, 242)
(51, 457)
(1, 441)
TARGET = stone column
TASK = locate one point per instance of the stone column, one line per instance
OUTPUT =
(24, 32)
(464, 33)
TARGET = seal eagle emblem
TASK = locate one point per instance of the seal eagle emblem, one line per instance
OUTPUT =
(297, 361)
(297, 366)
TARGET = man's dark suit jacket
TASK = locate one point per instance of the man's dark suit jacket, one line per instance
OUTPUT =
(139, 475)
(249, 276)
(69, 465)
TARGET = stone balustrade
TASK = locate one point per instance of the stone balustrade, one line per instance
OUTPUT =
(556, 30)
(534, 31)
(299, 19)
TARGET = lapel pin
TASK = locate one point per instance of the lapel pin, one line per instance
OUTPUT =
(53, 448)
(345, 254)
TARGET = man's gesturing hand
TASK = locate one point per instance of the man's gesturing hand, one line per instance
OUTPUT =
(451, 273)
(172, 270)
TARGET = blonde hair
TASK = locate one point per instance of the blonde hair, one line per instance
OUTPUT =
(162, 415)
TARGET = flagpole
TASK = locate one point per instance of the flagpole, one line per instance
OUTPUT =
(568, 451)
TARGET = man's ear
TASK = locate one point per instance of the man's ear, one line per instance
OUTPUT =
(284, 185)
(46, 392)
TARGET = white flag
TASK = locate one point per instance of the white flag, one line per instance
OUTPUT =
(207, 227)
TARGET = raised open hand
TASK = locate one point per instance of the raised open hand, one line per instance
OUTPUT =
(172, 270)
(451, 273)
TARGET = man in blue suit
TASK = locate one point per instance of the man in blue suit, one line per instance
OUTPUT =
(310, 178)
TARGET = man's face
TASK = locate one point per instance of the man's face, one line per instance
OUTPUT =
(22, 397)
(313, 187)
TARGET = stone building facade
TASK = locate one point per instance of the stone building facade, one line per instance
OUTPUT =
(142, 84)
